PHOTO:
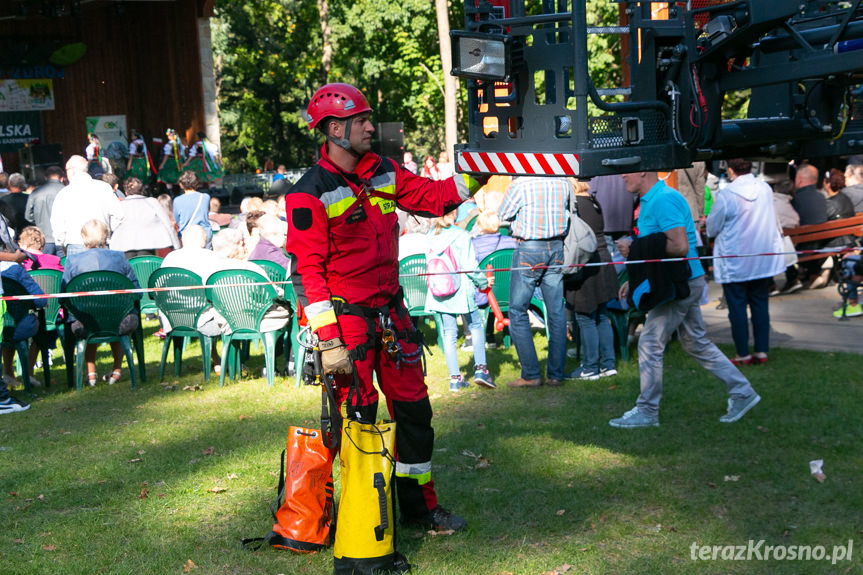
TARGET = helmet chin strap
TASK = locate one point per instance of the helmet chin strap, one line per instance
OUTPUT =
(345, 143)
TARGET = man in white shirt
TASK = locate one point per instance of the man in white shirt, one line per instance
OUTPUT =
(82, 200)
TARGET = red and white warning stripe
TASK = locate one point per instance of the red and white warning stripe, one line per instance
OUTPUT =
(518, 163)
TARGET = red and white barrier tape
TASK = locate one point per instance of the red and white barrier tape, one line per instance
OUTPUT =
(65, 295)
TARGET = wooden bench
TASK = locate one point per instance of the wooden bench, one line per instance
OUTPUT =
(823, 232)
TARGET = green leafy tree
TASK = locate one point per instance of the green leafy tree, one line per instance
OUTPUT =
(267, 65)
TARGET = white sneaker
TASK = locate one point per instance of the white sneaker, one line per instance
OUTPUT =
(12, 405)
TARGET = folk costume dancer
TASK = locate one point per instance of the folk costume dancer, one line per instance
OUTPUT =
(94, 155)
(205, 160)
(173, 158)
(342, 239)
(139, 164)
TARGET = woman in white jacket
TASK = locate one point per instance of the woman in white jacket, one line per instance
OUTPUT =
(743, 221)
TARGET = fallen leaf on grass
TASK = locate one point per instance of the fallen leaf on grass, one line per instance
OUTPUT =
(559, 571)
(192, 388)
(142, 451)
(480, 461)
(233, 476)
(143, 494)
(48, 548)
(711, 485)
(136, 460)
(188, 566)
(560, 512)
(763, 429)
(216, 489)
(209, 451)
(13, 493)
(40, 497)
(434, 533)
(733, 478)
(18, 541)
(242, 417)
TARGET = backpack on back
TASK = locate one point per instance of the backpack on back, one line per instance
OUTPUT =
(579, 245)
(443, 281)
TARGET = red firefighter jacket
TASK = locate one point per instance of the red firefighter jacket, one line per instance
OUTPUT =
(343, 231)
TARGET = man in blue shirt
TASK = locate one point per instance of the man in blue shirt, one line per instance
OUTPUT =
(664, 210)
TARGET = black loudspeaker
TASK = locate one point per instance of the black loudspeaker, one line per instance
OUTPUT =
(39, 156)
(392, 140)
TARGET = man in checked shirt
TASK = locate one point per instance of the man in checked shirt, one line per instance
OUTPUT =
(538, 208)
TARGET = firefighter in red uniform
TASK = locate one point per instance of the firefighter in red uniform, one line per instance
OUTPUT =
(343, 239)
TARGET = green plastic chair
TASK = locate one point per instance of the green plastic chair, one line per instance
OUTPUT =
(16, 311)
(499, 260)
(275, 272)
(244, 308)
(49, 281)
(299, 350)
(182, 308)
(101, 316)
(502, 260)
(415, 290)
(471, 223)
(278, 275)
(144, 266)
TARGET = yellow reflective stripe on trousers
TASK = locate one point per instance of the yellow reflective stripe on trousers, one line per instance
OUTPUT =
(419, 471)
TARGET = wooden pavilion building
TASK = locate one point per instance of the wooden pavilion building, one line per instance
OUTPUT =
(68, 67)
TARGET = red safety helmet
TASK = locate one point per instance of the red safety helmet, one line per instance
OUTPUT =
(338, 101)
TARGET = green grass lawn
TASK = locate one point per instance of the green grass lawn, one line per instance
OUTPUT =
(112, 480)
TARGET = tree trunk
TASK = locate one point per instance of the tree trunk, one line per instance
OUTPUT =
(327, 46)
(449, 81)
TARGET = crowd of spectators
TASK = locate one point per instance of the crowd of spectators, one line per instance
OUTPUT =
(103, 223)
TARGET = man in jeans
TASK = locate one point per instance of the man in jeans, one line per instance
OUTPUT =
(664, 210)
(538, 210)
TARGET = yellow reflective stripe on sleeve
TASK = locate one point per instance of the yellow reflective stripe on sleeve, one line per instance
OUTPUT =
(318, 321)
(466, 186)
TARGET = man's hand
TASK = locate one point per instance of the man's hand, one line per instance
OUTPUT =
(622, 245)
(624, 291)
(490, 279)
(334, 356)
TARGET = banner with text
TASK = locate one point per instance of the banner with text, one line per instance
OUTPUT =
(18, 129)
(26, 95)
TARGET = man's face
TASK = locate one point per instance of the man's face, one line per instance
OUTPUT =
(633, 182)
(361, 133)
